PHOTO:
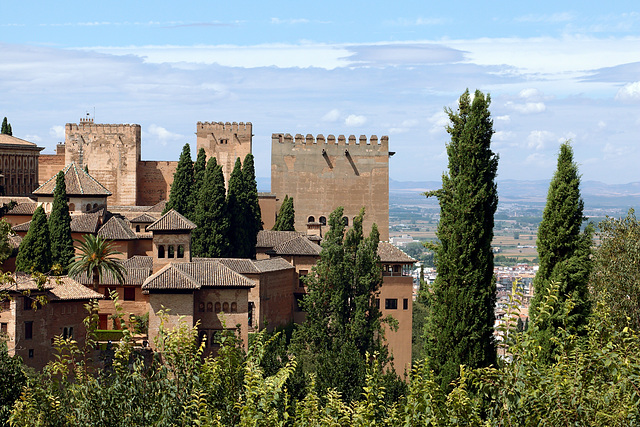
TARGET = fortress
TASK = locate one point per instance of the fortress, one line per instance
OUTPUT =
(320, 174)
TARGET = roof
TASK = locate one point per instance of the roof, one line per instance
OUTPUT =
(239, 265)
(13, 141)
(117, 229)
(196, 275)
(297, 246)
(86, 223)
(171, 221)
(272, 264)
(14, 241)
(270, 238)
(137, 270)
(158, 207)
(144, 218)
(62, 288)
(77, 181)
(389, 253)
(28, 208)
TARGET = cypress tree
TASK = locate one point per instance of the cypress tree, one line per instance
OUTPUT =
(564, 252)
(251, 205)
(35, 250)
(238, 228)
(62, 250)
(199, 169)
(460, 325)
(211, 237)
(180, 197)
(5, 127)
(286, 216)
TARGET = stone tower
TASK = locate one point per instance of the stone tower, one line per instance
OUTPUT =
(112, 154)
(225, 142)
(322, 174)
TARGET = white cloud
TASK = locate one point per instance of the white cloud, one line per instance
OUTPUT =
(354, 120)
(602, 124)
(162, 135)
(438, 121)
(553, 18)
(611, 151)
(331, 116)
(57, 132)
(503, 135)
(528, 107)
(505, 118)
(629, 92)
(538, 139)
(529, 93)
(33, 138)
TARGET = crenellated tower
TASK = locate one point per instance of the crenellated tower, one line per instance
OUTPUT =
(225, 142)
(324, 173)
(111, 152)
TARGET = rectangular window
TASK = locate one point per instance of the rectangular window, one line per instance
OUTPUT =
(391, 303)
(405, 304)
(28, 330)
(27, 303)
(301, 276)
(30, 353)
(4, 330)
(129, 293)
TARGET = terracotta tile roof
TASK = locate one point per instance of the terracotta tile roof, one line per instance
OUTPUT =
(86, 223)
(138, 261)
(158, 207)
(144, 218)
(239, 265)
(28, 208)
(273, 264)
(22, 227)
(137, 270)
(17, 199)
(196, 275)
(14, 241)
(78, 182)
(389, 253)
(270, 239)
(58, 288)
(12, 140)
(171, 221)
(297, 246)
(117, 229)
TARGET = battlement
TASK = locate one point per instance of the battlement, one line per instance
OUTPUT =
(320, 140)
(224, 127)
(88, 126)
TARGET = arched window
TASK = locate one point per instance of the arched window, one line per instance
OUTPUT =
(322, 220)
(64, 333)
(88, 207)
(201, 307)
(72, 207)
(71, 332)
(345, 221)
(170, 252)
(311, 219)
(95, 206)
(180, 251)
(225, 307)
(234, 307)
(160, 251)
(210, 307)
(218, 309)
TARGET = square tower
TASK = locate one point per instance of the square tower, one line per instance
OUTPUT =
(225, 142)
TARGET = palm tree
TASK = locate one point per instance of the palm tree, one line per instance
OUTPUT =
(96, 258)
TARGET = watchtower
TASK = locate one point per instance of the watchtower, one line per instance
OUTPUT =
(322, 174)
(225, 142)
(111, 152)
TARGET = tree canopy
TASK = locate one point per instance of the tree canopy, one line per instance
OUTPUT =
(250, 205)
(6, 127)
(34, 253)
(180, 197)
(459, 330)
(285, 221)
(62, 250)
(97, 257)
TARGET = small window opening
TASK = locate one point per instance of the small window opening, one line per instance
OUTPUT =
(218, 307)
(225, 307)
(171, 252)
(209, 307)
(234, 307)
(322, 220)
(180, 251)
(345, 221)
(160, 251)
(311, 219)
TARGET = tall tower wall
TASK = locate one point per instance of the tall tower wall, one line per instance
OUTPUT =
(322, 174)
(225, 142)
(111, 152)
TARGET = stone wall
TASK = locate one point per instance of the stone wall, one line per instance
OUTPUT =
(322, 174)
(50, 164)
(181, 305)
(225, 142)
(154, 181)
(399, 288)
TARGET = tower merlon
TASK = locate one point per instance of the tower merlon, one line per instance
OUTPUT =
(308, 139)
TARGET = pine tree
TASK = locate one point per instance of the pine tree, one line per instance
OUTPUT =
(199, 169)
(210, 239)
(180, 197)
(286, 216)
(564, 252)
(460, 325)
(62, 250)
(343, 322)
(238, 228)
(251, 205)
(34, 253)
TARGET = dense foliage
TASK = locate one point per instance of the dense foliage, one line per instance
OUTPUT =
(181, 197)
(285, 221)
(6, 127)
(34, 253)
(459, 330)
(97, 257)
(250, 206)
(62, 250)
(564, 253)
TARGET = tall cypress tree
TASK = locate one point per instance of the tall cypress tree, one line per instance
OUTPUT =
(564, 252)
(180, 197)
(460, 325)
(250, 205)
(6, 127)
(238, 229)
(35, 250)
(62, 250)
(211, 237)
(199, 169)
(286, 216)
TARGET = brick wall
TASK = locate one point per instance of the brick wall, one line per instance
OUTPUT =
(154, 181)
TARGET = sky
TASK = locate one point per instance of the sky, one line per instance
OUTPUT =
(555, 70)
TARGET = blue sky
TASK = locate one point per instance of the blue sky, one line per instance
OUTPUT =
(555, 71)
